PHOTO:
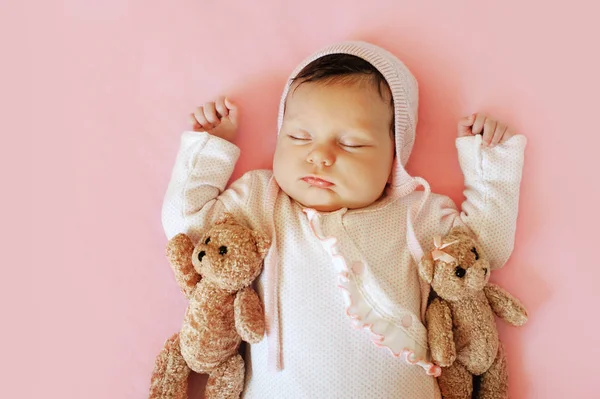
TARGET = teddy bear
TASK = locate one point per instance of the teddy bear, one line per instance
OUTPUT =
(215, 276)
(462, 333)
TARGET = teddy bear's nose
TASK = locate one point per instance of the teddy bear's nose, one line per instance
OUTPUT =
(485, 271)
(201, 255)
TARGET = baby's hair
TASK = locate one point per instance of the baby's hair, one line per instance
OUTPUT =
(344, 68)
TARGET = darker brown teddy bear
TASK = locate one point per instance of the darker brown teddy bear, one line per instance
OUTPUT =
(223, 310)
(462, 333)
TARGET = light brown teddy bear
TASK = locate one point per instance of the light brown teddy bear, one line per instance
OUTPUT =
(223, 310)
(462, 333)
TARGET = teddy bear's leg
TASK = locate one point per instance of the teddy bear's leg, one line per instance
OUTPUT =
(227, 380)
(456, 382)
(494, 382)
(170, 375)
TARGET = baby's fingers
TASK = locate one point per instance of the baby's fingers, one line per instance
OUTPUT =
(194, 123)
(233, 111)
(489, 128)
(464, 126)
(478, 123)
(499, 134)
(203, 123)
(221, 107)
(210, 113)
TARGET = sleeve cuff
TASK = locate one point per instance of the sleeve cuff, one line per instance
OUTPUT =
(502, 162)
(201, 139)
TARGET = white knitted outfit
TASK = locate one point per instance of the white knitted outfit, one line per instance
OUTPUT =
(342, 295)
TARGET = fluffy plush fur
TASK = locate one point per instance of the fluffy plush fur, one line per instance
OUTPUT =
(223, 310)
(460, 319)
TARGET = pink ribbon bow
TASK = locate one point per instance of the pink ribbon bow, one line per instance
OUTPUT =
(438, 254)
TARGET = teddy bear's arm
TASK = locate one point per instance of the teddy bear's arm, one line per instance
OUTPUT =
(179, 252)
(249, 316)
(505, 305)
(439, 333)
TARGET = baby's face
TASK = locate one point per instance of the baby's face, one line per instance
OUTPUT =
(335, 149)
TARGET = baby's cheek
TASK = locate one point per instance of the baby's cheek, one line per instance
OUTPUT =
(283, 172)
(280, 169)
(370, 180)
(278, 163)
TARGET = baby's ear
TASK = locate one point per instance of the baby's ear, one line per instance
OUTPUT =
(262, 243)
(426, 268)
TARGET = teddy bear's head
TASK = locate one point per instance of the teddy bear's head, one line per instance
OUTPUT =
(456, 268)
(230, 255)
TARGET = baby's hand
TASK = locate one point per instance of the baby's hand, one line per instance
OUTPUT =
(493, 132)
(218, 118)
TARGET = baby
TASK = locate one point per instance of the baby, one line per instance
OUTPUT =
(343, 300)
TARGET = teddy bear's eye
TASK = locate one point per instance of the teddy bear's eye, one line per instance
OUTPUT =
(474, 250)
(222, 250)
(460, 272)
(207, 241)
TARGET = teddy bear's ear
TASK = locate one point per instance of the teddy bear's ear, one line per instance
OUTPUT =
(262, 243)
(426, 267)
(226, 218)
(462, 232)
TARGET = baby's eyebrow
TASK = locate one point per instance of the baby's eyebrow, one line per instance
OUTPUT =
(294, 119)
(357, 135)
(360, 132)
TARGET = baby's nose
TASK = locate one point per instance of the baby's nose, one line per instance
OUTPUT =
(320, 156)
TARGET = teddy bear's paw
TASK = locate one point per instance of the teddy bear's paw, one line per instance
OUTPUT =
(456, 382)
(170, 375)
(249, 316)
(494, 382)
(227, 380)
(444, 359)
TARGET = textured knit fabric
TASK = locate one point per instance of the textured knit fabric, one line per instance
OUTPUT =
(318, 298)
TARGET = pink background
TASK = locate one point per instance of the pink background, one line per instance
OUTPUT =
(94, 97)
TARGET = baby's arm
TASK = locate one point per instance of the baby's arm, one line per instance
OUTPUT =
(492, 183)
(196, 194)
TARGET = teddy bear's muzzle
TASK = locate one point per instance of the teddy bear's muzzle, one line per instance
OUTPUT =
(477, 278)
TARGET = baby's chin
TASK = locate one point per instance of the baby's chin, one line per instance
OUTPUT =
(336, 205)
(319, 206)
(326, 206)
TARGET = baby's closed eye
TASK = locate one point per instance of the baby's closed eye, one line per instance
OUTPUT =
(299, 137)
(352, 144)
(356, 140)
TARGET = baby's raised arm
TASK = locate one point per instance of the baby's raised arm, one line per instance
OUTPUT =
(196, 194)
(492, 175)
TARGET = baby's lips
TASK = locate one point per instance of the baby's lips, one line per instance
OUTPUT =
(318, 182)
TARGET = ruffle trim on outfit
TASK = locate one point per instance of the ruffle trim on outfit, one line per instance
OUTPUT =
(385, 332)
